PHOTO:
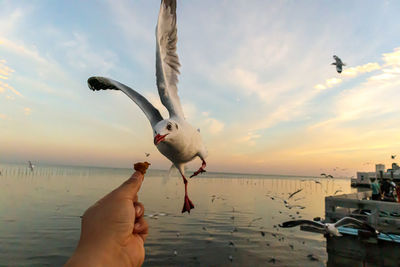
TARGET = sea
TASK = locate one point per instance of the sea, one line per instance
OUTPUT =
(235, 221)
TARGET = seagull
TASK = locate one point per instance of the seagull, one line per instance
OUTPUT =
(31, 166)
(330, 228)
(147, 154)
(337, 191)
(294, 193)
(174, 137)
(393, 156)
(339, 64)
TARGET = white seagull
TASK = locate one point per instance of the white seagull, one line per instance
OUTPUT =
(339, 64)
(31, 166)
(330, 228)
(175, 138)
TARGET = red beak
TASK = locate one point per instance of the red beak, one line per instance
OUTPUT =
(159, 138)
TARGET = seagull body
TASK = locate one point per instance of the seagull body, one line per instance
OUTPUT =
(330, 228)
(174, 137)
(31, 166)
(339, 64)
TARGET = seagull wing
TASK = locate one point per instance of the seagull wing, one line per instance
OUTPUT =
(352, 221)
(295, 223)
(167, 61)
(294, 193)
(101, 83)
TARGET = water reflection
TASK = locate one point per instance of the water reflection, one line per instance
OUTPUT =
(234, 221)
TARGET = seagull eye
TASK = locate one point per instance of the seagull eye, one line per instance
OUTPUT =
(169, 127)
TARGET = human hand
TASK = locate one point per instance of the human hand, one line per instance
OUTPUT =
(113, 229)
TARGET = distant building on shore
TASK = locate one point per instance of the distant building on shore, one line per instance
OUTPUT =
(364, 178)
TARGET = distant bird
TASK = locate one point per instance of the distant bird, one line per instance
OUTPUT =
(147, 154)
(323, 174)
(394, 156)
(256, 219)
(31, 166)
(337, 191)
(1, 173)
(294, 193)
(311, 257)
(329, 176)
(330, 228)
(339, 64)
(175, 138)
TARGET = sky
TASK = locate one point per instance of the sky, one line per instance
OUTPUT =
(255, 78)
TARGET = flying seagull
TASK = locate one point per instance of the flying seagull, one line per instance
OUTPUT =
(174, 137)
(294, 193)
(31, 166)
(147, 154)
(393, 156)
(330, 228)
(339, 64)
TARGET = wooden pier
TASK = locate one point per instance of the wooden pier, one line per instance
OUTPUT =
(357, 247)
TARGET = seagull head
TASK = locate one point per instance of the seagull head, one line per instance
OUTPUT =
(165, 131)
(332, 230)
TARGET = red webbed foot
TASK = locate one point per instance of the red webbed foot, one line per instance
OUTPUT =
(200, 170)
(187, 205)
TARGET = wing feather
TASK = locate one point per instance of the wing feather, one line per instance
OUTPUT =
(301, 222)
(102, 83)
(167, 60)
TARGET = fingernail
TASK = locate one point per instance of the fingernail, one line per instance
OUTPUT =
(138, 209)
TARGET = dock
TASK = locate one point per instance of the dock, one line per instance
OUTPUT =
(358, 247)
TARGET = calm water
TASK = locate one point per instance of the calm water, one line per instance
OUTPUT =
(40, 224)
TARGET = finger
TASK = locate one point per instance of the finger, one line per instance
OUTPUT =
(131, 186)
(141, 166)
(141, 228)
(139, 210)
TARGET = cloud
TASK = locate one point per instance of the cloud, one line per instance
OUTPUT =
(3, 116)
(320, 87)
(5, 73)
(332, 82)
(355, 71)
(214, 126)
(393, 58)
(27, 111)
(249, 139)
(4, 87)
(22, 49)
(82, 56)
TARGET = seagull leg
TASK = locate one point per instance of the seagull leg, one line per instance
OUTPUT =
(187, 204)
(201, 170)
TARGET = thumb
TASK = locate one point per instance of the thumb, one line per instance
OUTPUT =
(131, 186)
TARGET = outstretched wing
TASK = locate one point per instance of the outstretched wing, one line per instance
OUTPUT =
(102, 83)
(301, 222)
(167, 61)
(352, 221)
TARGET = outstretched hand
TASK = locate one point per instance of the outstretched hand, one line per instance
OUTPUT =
(113, 229)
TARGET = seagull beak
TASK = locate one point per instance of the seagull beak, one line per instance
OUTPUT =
(159, 138)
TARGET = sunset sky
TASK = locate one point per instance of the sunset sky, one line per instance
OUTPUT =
(255, 78)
